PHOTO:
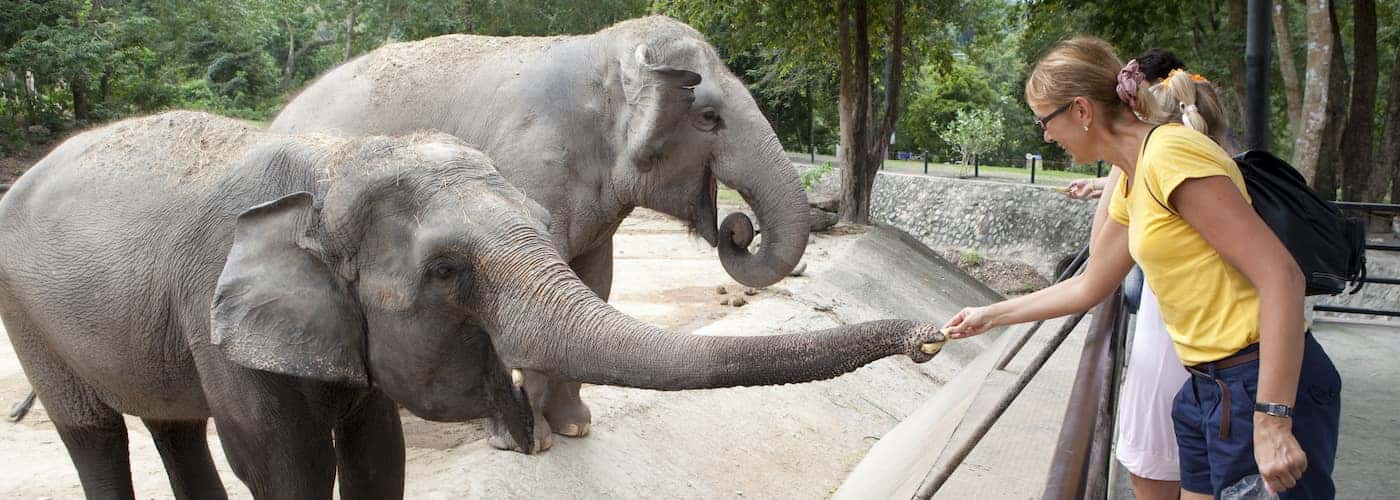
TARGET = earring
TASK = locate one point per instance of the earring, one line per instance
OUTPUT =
(1086, 128)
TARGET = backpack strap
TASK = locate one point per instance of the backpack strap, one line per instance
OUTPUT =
(1145, 184)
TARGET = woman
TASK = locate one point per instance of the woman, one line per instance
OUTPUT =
(1146, 436)
(1230, 293)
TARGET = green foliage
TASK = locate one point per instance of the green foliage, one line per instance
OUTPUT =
(974, 132)
(969, 258)
(815, 174)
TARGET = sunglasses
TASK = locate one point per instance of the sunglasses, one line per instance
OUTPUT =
(1043, 121)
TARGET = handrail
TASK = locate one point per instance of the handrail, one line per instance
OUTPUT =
(1078, 470)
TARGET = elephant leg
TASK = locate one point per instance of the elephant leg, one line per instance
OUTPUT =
(184, 449)
(277, 441)
(369, 450)
(535, 384)
(93, 432)
(565, 411)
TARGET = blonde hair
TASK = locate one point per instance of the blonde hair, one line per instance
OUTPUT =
(1190, 99)
(1082, 66)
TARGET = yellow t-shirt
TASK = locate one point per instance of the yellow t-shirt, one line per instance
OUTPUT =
(1211, 310)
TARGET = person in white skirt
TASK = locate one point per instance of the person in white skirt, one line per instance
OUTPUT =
(1147, 445)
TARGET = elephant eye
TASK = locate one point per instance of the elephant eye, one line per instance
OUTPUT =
(442, 270)
(709, 120)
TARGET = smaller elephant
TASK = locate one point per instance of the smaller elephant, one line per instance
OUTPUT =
(183, 266)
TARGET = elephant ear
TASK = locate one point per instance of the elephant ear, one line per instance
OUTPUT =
(279, 307)
(658, 97)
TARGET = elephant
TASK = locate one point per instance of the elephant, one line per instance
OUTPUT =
(644, 113)
(297, 287)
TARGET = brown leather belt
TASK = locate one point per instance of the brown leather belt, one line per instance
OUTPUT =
(1204, 370)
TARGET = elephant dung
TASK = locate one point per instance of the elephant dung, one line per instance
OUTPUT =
(721, 290)
(738, 302)
(724, 302)
(750, 291)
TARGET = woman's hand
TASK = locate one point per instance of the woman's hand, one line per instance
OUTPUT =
(969, 322)
(1281, 461)
(1083, 189)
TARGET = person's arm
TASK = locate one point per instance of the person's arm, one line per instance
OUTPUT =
(1109, 184)
(1215, 208)
(1108, 263)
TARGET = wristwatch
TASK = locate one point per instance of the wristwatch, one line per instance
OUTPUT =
(1274, 409)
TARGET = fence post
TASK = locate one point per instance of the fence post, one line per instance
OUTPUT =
(925, 162)
(1033, 171)
(975, 170)
(1098, 168)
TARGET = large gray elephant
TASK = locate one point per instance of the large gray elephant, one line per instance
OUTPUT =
(644, 113)
(293, 287)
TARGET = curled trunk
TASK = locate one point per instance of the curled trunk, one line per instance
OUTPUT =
(770, 186)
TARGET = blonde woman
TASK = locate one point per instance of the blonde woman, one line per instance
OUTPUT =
(1230, 294)
(1146, 435)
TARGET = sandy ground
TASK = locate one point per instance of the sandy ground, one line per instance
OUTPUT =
(776, 442)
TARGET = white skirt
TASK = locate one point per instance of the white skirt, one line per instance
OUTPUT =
(1146, 435)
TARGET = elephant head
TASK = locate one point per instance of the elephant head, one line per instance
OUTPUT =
(689, 123)
(434, 283)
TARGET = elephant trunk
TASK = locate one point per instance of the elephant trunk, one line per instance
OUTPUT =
(552, 323)
(774, 191)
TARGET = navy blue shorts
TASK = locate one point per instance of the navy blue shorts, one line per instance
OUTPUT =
(1210, 463)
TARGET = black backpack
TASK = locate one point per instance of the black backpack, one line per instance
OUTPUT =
(1330, 247)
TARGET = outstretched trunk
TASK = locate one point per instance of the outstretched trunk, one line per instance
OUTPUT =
(554, 324)
(774, 191)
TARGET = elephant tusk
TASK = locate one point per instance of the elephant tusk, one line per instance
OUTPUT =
(517, 377)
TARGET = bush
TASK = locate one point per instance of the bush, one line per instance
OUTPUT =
(814, 175)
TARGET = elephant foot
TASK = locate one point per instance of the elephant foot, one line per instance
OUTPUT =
(566, 413)
(501, 439)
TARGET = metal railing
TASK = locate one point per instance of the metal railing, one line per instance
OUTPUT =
(1368, 209)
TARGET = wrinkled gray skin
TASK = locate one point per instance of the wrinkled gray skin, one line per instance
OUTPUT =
(641, 114)
(183, 266)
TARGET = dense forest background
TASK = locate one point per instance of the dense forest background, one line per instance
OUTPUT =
(945, 77)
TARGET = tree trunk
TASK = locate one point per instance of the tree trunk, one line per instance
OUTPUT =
(291, 57)
(388, 21)
(78, 86)
(853, 104)
(1313, 120)
(468, 24)
(1357, 161)
(1329, 155)
(1287, 65)
(350, 29)
(1235, 33)
(1390, 142)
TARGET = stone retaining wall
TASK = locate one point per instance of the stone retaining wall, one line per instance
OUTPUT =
(1009, 221)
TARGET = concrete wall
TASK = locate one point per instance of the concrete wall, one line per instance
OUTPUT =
(1010, 221)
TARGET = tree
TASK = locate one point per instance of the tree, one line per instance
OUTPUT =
(1390, 141)
(1283, 36)
(1356, 158)
(974, 132)
(1313, 116)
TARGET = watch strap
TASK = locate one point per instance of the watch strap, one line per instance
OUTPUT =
(1274, 409)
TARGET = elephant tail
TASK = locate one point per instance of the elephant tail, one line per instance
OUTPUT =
(20, 409)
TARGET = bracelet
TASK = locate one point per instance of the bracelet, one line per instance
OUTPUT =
(1274, 409)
